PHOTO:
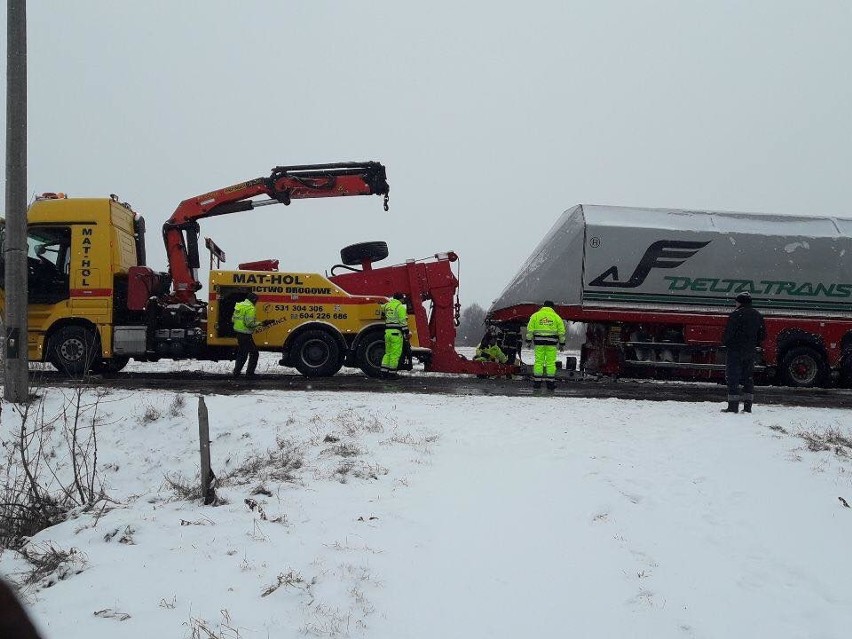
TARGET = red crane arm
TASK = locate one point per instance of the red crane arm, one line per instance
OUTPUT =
(285, 183)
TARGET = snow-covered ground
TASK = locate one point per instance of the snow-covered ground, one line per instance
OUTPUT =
(268, 364)
(390, 516)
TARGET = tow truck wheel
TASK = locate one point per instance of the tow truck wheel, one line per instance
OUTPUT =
(803, 367)
(316, 354)
(354, 254)
(72, 350)
(369, 353)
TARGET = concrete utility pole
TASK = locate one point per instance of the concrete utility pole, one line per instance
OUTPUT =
(16, 384)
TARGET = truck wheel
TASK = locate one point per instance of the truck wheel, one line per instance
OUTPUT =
(369, 353)
(803, 367)
(72, 350)
(316, 354)
(354, 254)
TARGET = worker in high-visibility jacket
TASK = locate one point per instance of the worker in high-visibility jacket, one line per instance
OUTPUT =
(489, 351)
(546, 332)
(395, 314)
(245, 324)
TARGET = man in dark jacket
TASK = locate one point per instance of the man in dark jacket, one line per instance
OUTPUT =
(744, 332)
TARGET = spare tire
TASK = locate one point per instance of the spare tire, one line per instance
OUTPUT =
(354, 254)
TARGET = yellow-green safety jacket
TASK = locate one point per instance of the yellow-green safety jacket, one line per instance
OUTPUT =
(395, 314)
(546, 328)
(491, 354)
(244, 317)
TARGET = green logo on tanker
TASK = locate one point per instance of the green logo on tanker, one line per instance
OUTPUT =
(761, 287)
(669, 254)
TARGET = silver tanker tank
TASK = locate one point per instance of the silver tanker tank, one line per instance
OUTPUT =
(598, 257)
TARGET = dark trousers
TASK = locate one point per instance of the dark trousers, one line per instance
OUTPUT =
(739, 371)
(246, 348)
(405, 359)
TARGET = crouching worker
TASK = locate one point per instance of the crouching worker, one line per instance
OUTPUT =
(245, 324)
(489, 351)
(395, 314)
(546, 332)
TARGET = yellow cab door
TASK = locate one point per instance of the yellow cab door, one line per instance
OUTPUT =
(48, 281)
(91, 276)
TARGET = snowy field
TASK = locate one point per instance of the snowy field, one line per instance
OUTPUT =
(391, 516)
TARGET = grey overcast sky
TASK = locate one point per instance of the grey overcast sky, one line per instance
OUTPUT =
(491, 117)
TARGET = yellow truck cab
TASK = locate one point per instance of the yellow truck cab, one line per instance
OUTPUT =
(78, 250)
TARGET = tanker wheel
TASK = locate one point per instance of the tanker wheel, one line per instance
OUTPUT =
(369, 353)
(316, 353)
(354, 254)
(72, 350)
(803, 367)
(846, 369)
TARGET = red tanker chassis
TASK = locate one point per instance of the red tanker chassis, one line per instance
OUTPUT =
(796, 351)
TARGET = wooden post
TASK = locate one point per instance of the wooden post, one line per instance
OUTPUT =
(208, 494)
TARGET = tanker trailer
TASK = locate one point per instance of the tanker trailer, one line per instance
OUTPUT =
(655, 286)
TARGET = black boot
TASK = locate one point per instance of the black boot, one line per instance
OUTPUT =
(551, 385)
(746, 407)
(536, 385)
(733, 407)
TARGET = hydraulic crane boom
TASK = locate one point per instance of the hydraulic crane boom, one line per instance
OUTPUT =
(285, 183)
